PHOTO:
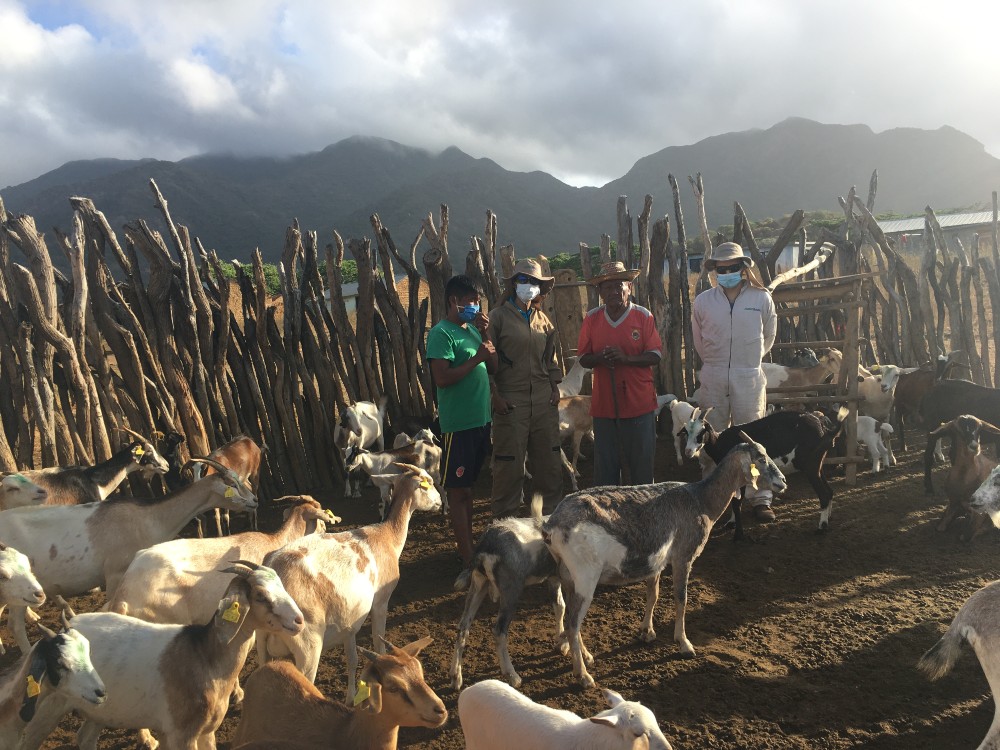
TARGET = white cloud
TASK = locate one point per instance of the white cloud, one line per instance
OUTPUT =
(580, 89)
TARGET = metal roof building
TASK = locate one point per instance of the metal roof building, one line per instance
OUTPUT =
(947, 221)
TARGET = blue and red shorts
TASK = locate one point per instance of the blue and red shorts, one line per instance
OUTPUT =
(464, 454)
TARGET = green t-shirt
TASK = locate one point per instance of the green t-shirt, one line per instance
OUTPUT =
(466, 404)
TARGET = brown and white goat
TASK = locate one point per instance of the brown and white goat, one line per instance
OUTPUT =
(282, 704)
(969, 469)
(243, 456)
(780, 375)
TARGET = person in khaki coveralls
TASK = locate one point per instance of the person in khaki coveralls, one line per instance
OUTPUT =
(525, 394)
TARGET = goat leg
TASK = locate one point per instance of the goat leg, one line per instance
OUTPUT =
(473, 600)
(681, 571)
(737, 518)
(646, 632)
(559, 609)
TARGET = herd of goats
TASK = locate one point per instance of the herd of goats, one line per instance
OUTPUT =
(164, 656)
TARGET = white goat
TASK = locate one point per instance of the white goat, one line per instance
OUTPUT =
(423, 454)
(495, 716)
(76, 548)
(360, 426)
(58, 663)
(680, 414)
(976, 624)
(173, 679)
(281, 703)
(878, 390)
(18, 585)
(875, 437)
(338, 579)
(425, 435)
(17, 491)
(177, 581)
(619, 535)
(573, 382)
(510, 555)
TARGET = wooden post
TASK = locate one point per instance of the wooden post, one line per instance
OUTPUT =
(641, 291)
(665, 315)
(593, 299)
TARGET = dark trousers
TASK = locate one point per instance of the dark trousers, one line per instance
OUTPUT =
(632, 442)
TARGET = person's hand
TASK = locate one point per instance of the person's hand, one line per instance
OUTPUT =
(501, 405)
(613, 355)
(555, 395)
(486, 350)
(481, 321)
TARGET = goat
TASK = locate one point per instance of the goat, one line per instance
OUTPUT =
(572, 384)
(829, 361)
(242, 455)
(76, 485)
(975, 624)
(338, 579)
(969, 468)
(17, 491)
(877, 389)
(176, 679)
(426, 435)
(495, 716)
(76, 548)
(575, 422)
(945, 401)
(804, 357)
(421, 453)
(61, 665)
(171, 452)
(875, 436)
(280, 703)
(510, 555)
(912, 385)
(18, 585)
(618, 535)
(175, 581)
(680, 414)
(795, 441)
(360, 426)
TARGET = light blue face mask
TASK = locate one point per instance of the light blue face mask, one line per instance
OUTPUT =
(729, 280)
(468, 313)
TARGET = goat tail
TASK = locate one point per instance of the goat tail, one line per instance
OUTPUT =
(536, 508)
(462, 582)
(941, 657)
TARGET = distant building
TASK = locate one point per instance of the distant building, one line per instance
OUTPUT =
(909, 233)
(350, 292)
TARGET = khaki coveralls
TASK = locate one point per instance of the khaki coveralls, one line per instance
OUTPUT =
(527, 371)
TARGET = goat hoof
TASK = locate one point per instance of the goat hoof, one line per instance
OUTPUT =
(513, 679)
(647, 636)
(456, 682)
(562, 647)
(823, 528)
(587, 681)
(687, 654)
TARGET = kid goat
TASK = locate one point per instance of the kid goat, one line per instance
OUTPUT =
(281, 704)
(619, 535)
(792, 438)
(360, 426)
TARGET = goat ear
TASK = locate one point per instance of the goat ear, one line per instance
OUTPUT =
(410, 468)
(374, 697)
(5, 573)
(232, 611)
(608, 721)
(988, 429)
(944, 429)
(612, 697)
(36, 673)
(414, 649)
(707, 411)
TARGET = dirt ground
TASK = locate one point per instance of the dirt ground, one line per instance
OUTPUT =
(804, 640)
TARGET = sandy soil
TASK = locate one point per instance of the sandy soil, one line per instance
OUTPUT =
(804, 640)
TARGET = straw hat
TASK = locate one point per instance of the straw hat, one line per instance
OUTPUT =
(727, 251)
(531, 267)
(613, 271)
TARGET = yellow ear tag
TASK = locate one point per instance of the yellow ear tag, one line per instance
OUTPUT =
(754, 472)
(329, 513)
(363, 693)
(425, 485)
(230, 492)
(33, 687)
(232, 613)
(139, 451)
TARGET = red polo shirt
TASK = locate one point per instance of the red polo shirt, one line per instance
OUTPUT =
(634, 333)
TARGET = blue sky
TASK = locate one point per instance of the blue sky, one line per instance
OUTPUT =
(580, 88)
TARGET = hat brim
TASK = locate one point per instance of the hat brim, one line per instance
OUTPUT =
(617, 276)
(711, 263)
(546, 283)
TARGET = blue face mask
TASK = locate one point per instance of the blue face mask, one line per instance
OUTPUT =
(729, 280)
(468, 313)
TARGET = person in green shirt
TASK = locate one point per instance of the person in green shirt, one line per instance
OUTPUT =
(462, 358)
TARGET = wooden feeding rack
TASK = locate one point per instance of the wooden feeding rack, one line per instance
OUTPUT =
(822, 295)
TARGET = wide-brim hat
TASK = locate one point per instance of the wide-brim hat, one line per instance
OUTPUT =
(531, 267)
(613, 271)
(727, 251)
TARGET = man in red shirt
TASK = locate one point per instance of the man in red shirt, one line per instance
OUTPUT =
(619, 341)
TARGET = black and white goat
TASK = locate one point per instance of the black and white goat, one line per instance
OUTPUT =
(794, 440)
(620, 535)
(359, 426)
(510, 555)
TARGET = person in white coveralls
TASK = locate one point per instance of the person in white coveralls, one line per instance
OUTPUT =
(734, 325)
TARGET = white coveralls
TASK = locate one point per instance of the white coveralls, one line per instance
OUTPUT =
(731, 341)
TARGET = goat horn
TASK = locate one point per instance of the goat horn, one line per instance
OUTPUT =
(210, 462)
(44, 630)
(133, 433)
(392, 649)
(746, 438)
(238, 568)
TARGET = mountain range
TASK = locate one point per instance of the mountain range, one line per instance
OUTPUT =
(235, 204)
